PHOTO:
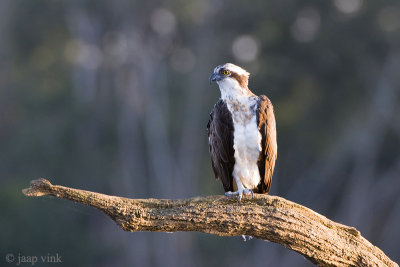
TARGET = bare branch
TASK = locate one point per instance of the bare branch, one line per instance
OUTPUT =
(271, 218)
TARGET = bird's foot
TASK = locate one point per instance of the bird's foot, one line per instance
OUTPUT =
(247, 237)
(240, 193)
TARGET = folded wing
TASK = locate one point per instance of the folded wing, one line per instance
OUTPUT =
(267, 127)
(220, 139)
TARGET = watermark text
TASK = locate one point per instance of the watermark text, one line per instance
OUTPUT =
(21, 259)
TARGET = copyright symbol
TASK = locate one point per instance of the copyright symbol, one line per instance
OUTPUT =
(10, 258)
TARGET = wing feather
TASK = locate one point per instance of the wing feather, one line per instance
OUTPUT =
(267, 127)
(220, 140)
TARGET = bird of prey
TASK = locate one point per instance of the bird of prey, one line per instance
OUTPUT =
(241, 134)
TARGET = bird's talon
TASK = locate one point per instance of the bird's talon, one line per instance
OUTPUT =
(240, 194)
(247, 237)
(231, 194)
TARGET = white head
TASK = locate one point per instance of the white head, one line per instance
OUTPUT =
(232, 80)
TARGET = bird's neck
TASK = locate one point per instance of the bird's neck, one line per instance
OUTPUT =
(231, 90)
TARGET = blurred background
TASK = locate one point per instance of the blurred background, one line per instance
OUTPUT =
(113, 97)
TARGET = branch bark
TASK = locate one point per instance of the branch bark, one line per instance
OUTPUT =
(272, 218)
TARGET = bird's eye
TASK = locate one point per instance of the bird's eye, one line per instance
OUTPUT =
(225, 72)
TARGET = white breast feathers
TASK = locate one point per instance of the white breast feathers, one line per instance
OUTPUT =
(247, 141)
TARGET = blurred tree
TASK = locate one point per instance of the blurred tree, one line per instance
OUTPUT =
(114, 97)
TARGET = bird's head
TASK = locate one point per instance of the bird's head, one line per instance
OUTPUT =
(230, 77)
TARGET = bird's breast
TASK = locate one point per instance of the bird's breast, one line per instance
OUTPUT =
(243, 110)
(247, 141)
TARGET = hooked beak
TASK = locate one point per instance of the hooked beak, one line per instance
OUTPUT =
(215, 77)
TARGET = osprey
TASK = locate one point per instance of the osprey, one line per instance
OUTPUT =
(241, 134)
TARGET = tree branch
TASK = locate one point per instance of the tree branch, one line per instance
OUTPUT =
(271, 218)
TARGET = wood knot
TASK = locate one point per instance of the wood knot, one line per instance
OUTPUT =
(352, 230)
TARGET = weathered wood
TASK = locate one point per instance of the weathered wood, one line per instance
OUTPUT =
(272, 218)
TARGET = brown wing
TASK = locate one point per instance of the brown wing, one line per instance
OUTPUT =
(220, 140)
(267, 127)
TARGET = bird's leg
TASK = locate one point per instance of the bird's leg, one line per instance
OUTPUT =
(240, 192)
